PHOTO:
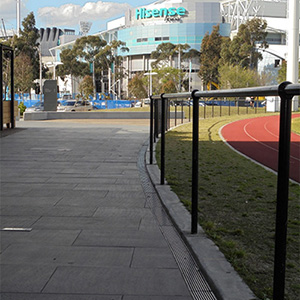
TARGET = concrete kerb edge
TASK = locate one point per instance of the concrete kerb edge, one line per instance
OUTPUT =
(221, 276)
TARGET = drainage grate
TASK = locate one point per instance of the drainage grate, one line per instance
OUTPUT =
(195, 281)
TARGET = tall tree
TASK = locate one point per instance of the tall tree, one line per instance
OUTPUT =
(86, 49)
(23, 73)
(137, 86)
(28, 43)
(163, 55)
(232, 77)
(109, 61)
(210, 56)
(242, 49)
(71, 66)
(86, 87)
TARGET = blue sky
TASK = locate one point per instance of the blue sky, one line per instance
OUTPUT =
(67, 13)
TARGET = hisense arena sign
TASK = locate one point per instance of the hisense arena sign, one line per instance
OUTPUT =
(170, 14)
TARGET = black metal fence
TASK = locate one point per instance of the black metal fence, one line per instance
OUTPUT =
(286, 91)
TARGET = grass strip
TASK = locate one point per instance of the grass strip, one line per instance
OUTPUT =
(237, 203)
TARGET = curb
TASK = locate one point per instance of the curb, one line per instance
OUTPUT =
(221, 276)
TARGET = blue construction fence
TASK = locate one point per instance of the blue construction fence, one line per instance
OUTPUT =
(101, 101)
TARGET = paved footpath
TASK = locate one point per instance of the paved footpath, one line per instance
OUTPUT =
(82, 227)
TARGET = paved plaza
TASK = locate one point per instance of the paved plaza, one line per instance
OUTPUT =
(83, 230)
(81, 219)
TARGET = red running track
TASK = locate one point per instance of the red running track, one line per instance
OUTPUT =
(258, 139)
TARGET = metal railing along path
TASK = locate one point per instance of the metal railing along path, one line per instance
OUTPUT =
(286, 91)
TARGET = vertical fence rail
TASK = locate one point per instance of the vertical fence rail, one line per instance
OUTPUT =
(162, 154)
(195, 163)
(151, 130)
(12, 90)
(282, 192)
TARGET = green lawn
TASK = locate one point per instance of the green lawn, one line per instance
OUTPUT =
(296, 125)
(237, 201)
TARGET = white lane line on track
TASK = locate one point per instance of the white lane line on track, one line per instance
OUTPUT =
(262, 143)
(248, 157)
(271, 133)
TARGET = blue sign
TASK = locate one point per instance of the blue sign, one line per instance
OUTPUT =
(143, 13)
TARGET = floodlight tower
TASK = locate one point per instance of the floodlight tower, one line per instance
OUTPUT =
(85, 27)
(18, 17)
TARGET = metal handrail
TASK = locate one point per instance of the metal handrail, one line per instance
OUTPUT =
(286, 91)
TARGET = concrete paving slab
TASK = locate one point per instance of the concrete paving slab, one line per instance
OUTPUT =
(47, 210)
(87, 223)
(130, 213)
(117, 281)
(122, 238)
(157, 298)
(25, 278)
(44, 296)
(153, 258)
(67, 255)
(44, 237)
(17, 221)
(109, 187)
(23, 200)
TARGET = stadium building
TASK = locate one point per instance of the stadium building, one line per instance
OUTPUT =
(187, 21)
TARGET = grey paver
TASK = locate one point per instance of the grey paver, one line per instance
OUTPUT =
(122, 238)
(44, 296)
(67, 255)
(153, 258)
(45, 237)
(25, 278)
(117, 281)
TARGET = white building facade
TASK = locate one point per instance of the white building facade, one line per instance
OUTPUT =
(187, 22)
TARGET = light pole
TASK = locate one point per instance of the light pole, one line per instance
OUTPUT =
(150, 79)
(293, 47)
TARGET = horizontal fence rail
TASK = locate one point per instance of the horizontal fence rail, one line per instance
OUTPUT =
(286, 91)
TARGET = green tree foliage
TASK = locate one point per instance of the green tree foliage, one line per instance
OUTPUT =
(86, 87)
(87, 47)
(137, 86)
(28, 43)
(23, 73)
(210, 56)
(282, 72)
(242, 49)
(163, 55)
(232, 77)
(165, 76)
(107, 58)
(70, 65)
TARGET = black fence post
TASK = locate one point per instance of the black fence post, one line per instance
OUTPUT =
(195, 163)
(181, 112)
(163, 142)
(175, 114)
(282, 192)
(156, 121)
(12, 90)
(151, 130)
